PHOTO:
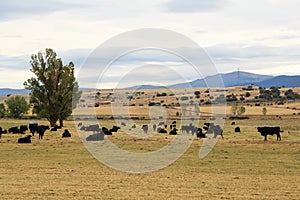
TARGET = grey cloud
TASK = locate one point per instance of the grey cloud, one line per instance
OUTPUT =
(194, 6)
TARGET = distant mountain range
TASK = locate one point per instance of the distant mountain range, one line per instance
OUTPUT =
(9, 91)
(237, 78)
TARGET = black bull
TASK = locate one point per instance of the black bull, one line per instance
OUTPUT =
(264, 131)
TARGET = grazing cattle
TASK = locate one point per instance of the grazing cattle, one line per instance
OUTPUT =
(161, 123)
(232, 123)
(4, 131)
(174, 122)
(123, 124)
(66, 133)
(94, 128)
(95, 137)
(114, 129)
(154, 127)
(45, 127)
(173, 131)
(23, 128)
(41, 132)
(209, 127)
(161, 130)
(26, 139)
(200, 134)
(189, 129)
(33, 126)
(106, 131)
(14, 130)
(237, 129)
(217, 130)
(55, 128)
(145, 128)
(264, 131)
(172, 126)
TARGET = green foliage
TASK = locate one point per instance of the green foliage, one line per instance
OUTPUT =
(53, 88)
(241, 110)
(272, 93)
(247, 94)
(231, 97)
(291, 95)
(264, 111)
(17, 106)
(234, 108)
(2, 110)
(237, 110)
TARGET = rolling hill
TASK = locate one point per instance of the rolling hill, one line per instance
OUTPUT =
(286, 81)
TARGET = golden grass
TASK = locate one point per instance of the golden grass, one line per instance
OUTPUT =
(242, 166)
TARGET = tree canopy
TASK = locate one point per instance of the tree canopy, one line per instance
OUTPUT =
(17, 106)
(53, 87)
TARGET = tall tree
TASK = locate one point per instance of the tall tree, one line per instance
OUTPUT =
(53, 87)
(17, 106)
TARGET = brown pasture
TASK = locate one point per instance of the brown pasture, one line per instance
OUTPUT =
(242, 166)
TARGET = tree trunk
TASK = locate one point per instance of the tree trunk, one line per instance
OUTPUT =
(53, 124)
(61, 123)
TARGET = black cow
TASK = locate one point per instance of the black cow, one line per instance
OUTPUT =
(145, 128)
(94, 128)
(53, 129)
(237, 129)
(173, 131)
(41, 132)
(161, 130)
(217, 130)
(33, 126)
(23, 128)
(200, 134)
(232, 123)
(14, 130)
(189, 129)
(209, 127)
(264, 131)
(154, 127)
(172, 126)
(0, 131)
(95, 137)
(45, 127)
(106, 131)
(26, 139)
(114, 129)
(161, 123)
(66, 133)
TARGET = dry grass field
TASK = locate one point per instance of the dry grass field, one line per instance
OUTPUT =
(242, 166)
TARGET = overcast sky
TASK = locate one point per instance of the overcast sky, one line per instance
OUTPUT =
(260, 36)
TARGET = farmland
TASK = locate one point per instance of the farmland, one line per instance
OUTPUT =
(242, 166)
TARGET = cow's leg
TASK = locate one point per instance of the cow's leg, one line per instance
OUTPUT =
(278, 137)
(266, 137)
